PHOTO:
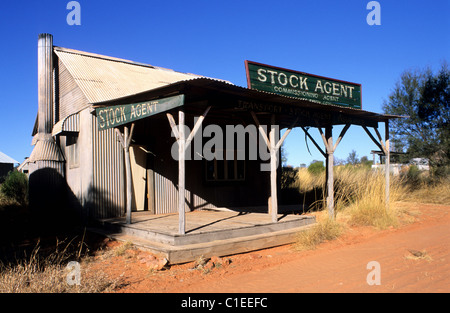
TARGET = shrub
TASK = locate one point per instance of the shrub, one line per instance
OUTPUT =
(15, 187)
(288, 175)
(316, 168)
(413, 173)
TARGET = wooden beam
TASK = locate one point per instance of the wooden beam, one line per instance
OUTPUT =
(381, 141)
(341, 135)
(130, 136)
(196, 127)
(173, 125)
(120, 136)
(325, 141)
(286, 133)
(261, 129)
(314, 142)
(373, 138)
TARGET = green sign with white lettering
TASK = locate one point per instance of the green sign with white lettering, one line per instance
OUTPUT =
(113, 116)
(302, 85)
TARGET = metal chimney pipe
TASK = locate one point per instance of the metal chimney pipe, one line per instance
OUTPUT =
(45, 83)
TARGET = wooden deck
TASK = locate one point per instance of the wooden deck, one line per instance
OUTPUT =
(208, 233)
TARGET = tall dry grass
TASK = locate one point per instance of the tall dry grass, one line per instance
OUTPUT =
(48, 274)
(360, 194)
(359, 200)
(436, 191)
(352, 184)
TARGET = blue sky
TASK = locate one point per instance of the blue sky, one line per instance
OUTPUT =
(213, 38)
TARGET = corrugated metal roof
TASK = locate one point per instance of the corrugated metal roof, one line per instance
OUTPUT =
(46, 150)
(69, 124)
(221, 88)
(103, 78)
(6, 159)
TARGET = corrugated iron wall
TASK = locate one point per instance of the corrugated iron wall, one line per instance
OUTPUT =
(166, 197)
(107, 192)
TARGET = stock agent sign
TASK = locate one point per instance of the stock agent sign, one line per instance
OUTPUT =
(302, 85)
(113, 116)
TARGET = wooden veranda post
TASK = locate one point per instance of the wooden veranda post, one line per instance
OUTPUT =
(274, 148)
(388, 161)
(384, 147)
(183, 143)
(181, 175)
(125, 140)
(273, 170)
(329, 155)
(330, 170)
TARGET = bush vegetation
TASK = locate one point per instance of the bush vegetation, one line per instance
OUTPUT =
(360, 198)
(15, 188)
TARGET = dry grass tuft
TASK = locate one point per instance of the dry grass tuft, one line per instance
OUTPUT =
(418, 255)
(326, 229)
(122, 249)
(49, 275)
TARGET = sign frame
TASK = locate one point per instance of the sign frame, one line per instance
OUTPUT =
(117, 115)
(292, 83)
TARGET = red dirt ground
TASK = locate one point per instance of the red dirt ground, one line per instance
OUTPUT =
(336, 266)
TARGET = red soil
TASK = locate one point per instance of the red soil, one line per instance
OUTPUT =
(335, 266)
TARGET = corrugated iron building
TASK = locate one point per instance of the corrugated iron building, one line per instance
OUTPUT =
(6, 165)
(76, 164)
(91, 162)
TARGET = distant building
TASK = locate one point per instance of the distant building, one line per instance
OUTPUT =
(24, 167)
(421, 163)
(396, 167)
(6, 165)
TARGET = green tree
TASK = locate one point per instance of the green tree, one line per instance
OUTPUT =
(424, 97)
(352, 158)
(316, 167)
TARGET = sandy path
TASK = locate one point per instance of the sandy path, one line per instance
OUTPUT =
(336, 266)
(342, 266)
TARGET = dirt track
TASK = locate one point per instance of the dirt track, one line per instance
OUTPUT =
(336, 266)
